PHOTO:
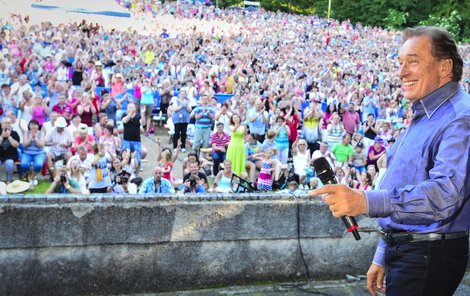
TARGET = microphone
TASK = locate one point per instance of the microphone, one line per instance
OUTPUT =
(327, 176)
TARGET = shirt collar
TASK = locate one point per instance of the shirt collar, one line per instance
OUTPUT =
(429, 104)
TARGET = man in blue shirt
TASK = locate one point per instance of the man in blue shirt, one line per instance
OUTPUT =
(192, 185)
(204, 115)
(156, 184)
(423, 198)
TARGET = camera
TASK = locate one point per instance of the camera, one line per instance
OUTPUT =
(124, 179)
(192, 181)
(63, 178)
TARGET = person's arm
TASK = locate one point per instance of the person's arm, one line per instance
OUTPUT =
(26, 139)
(126, 118)
(71, 189)
(287, 130)
(217, 179)
(53, 185)
(177, 152)
(41, 141)
(375, 128)
(13, 141)
(372, 156)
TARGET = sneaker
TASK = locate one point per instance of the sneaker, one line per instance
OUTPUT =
(31, 185)
(35, 181)
(183, 150)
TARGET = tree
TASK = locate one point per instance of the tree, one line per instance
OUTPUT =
(395, 19)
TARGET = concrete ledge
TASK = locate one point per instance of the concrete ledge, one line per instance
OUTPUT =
(125, 244)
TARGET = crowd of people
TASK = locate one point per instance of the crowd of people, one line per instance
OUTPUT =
(76, 100)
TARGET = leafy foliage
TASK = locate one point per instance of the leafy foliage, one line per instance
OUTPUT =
(395, 19)
(454, 15)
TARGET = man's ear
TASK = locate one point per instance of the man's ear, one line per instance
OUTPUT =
(447, 66)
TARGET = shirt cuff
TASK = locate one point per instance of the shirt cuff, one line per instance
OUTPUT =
(378, 203)
(379, 256)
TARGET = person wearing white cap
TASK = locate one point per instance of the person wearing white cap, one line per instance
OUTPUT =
(59, 140)
(98, 76)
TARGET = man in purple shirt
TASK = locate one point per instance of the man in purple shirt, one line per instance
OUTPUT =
(423, 198)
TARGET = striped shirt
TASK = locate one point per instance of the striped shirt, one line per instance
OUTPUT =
(60, 138)
(220, 140)
(204, 121)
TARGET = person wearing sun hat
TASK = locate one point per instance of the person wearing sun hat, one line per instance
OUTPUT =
(59, 140)
(375, 151)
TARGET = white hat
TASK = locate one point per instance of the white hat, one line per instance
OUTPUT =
(118, 75)
(3, 188)
(83, 128)
(98, 63)
(17, 186)
(60, 122)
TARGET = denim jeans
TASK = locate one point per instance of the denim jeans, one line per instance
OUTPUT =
(37, 160)
(9, 167)
(426, 268)
(201, 134)
(133, 146)
(218, 157)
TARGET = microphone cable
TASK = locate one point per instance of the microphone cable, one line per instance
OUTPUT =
(307, 275)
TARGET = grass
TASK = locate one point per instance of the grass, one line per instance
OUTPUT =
(41, 188)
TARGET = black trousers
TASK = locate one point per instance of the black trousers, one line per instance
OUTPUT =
(426, 268)
(180, 132)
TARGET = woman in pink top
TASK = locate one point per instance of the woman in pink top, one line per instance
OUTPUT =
(40, 110)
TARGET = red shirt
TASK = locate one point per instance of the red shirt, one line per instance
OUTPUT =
(65, 111)
(293, 124)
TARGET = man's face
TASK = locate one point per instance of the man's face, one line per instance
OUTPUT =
(6, 123)
(193, 168)
(419, 71)
(351, 107)
(157, 174)
(220, 128)
(82, 154)
(61, 100)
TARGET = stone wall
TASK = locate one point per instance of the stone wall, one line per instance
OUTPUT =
(78, 245)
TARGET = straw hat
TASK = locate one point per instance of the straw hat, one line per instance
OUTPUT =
(17, 186)
(3, 188)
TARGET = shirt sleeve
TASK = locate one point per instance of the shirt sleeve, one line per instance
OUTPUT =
(441, 195)
(379, 256)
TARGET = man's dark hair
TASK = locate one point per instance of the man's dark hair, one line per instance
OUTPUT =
(442, 46)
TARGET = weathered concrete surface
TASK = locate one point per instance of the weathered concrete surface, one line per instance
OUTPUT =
(51, 245)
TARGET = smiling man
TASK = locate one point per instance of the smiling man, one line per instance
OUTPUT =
(422, 201)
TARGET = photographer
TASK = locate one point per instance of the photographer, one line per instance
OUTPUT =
(123, 185)
(192, 185)
(62, 184)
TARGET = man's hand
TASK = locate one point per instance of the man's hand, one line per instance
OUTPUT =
(343, 201)
(375, 279)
